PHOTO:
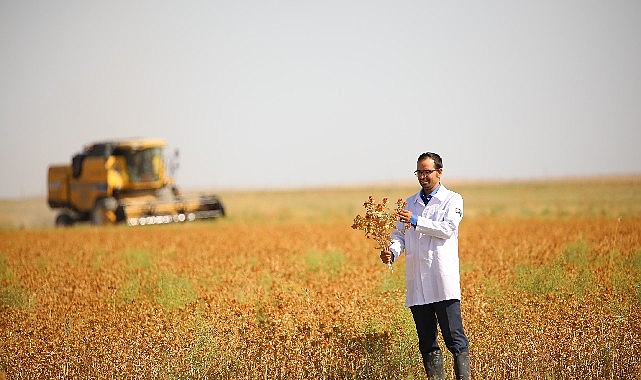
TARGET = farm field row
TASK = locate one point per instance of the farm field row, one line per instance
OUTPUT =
(589, 197)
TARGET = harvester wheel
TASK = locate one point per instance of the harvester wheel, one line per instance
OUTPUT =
(103, 211)
(64, 220)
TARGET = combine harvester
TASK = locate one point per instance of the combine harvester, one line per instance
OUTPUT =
(123, 181)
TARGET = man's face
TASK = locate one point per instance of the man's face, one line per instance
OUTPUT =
(428, 181)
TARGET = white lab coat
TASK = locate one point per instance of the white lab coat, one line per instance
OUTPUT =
(432, 262)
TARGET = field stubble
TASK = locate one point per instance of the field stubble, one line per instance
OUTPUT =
(288, 290)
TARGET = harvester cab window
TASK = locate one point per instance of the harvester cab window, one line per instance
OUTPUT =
(76, 165)
(143, 165)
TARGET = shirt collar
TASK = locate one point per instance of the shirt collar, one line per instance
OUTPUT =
(426, 198)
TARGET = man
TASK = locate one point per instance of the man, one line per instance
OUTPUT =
(432, 267)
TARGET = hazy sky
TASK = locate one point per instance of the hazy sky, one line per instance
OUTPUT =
(292, 93)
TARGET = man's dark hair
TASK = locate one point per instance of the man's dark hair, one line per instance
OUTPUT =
(438, 163)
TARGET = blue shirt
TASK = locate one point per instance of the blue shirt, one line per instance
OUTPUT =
(426, 199)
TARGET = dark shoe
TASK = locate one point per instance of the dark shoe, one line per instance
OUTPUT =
(462, 366)
(433, 363)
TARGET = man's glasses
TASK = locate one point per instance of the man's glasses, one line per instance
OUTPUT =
(424, 173)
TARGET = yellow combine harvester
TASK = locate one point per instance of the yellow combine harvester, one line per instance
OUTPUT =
(123, 181)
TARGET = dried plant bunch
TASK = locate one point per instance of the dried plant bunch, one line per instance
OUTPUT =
(379, 220)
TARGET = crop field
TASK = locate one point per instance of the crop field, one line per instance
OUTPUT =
(283, 288)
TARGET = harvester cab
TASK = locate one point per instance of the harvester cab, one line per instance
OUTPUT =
(124, 181)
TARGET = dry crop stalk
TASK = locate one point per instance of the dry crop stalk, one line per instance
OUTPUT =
(379, 221)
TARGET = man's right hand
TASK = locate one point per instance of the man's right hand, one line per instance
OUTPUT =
(386, 256)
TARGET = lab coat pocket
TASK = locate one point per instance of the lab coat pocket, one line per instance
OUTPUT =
(448, 265)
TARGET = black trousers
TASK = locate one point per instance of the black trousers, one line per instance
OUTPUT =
(447, 316)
